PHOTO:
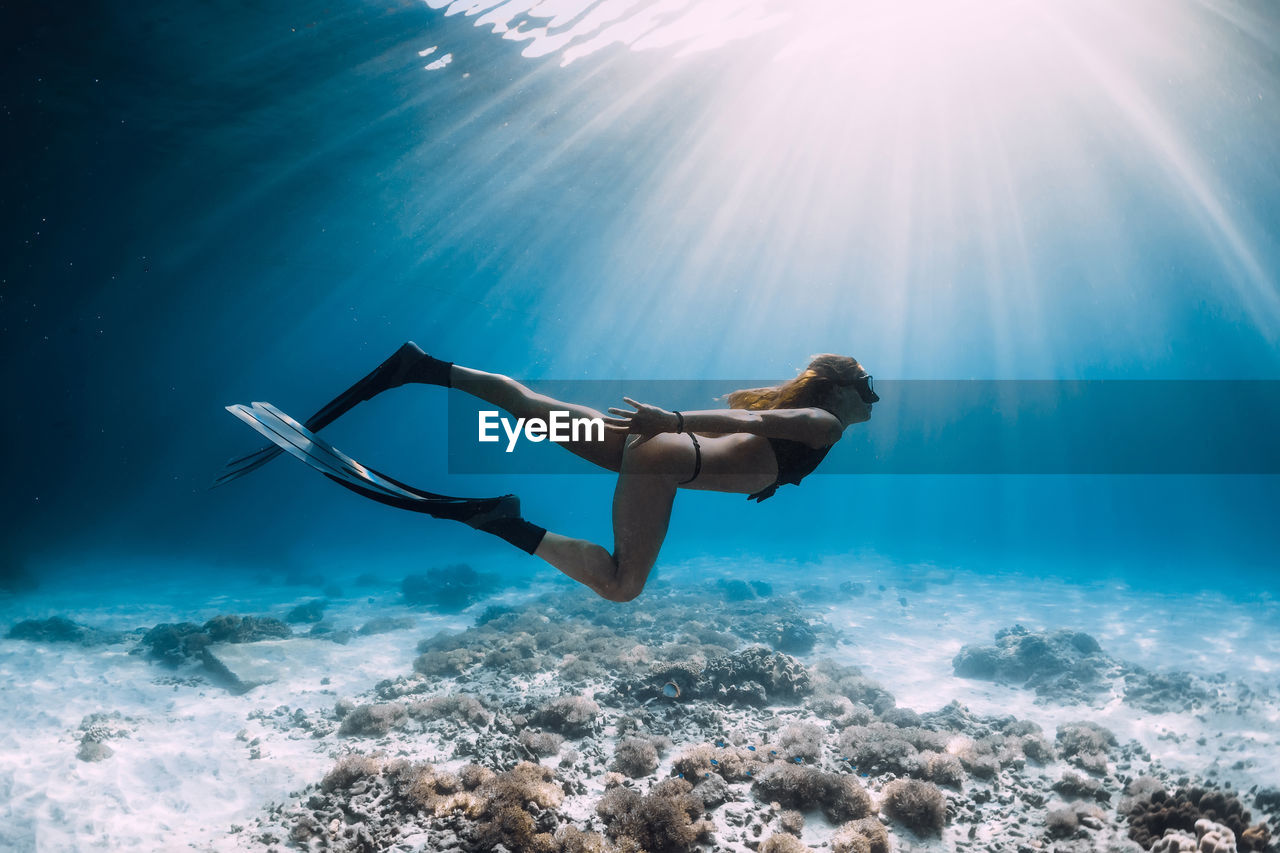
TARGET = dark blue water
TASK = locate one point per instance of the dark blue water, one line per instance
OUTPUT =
(231, 202)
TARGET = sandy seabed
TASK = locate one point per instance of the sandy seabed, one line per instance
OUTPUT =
(105, 747)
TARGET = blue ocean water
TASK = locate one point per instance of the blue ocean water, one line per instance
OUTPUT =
(1048, 229)
(229, 202)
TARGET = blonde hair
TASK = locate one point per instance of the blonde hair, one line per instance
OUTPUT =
(816, 386)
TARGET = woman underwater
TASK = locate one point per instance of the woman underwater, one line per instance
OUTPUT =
(766, 438)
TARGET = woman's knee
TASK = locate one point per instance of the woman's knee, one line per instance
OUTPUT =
(622, 592)
(627, 582)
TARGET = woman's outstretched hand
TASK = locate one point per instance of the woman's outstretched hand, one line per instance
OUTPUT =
(646, 421)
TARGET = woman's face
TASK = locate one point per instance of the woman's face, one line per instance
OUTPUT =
(850, 408)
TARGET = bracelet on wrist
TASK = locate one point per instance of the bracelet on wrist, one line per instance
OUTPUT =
(679, 422)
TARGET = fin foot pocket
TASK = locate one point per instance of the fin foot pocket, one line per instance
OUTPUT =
(507, 506)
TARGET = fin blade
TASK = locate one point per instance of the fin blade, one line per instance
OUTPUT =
(297, 446)
(250, 462)
(311, 443)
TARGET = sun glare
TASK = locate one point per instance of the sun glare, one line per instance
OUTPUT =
(943, 163)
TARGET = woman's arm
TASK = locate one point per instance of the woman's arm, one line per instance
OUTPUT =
(814, 427)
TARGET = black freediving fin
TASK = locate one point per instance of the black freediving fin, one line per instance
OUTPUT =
(318, 454)
(407, 364)
(294, 438)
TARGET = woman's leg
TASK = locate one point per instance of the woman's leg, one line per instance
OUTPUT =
(642, 504)
(506, 393)
(409, 364)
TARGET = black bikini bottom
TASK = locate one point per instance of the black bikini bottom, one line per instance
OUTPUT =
(697, 461)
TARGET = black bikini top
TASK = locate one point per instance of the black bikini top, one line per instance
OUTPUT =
(796, 460)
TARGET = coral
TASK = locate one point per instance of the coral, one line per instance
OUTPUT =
(839, 796)
(97, 728)
(541, 743)
(228, 628)
(526, 783)
(1161, 692)
(831, 706)
(731, 763)
(666, 820)
(364, 804)
(332, 633)
(1037, 748)
(385, 625)
(59, 629)
(517, 810)
(984, 757)
(1085, 745)
(636, 757)
(877, 747)
(919, 805)
(354, 783)
(575, 668)
(734, 589)
(882, 748)
(572, 716)
(783, 843)
(685, 675)
(791, 634)
(1075, 786)
(349, 769)
(865, 835)
(1209, 837)
(444, 664)
(1214, 837)
(312, 611)
(449, 589)
(848, 681)
(373, 720)
(1152, 816)
(1255, 837)
(472, 776)
(459, 707)
(753, 676)
(783, 627)
(801, 740)
(436, 793)
(175, 643)
(900, 717)
(570, 839)
(93, 750)
(1175, 841)
(713, 791)
(941, 768)
(518, 654)
(1061, 822)
(1139, 790)
(791, 821)
(1268, 800)
(1064, 664)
